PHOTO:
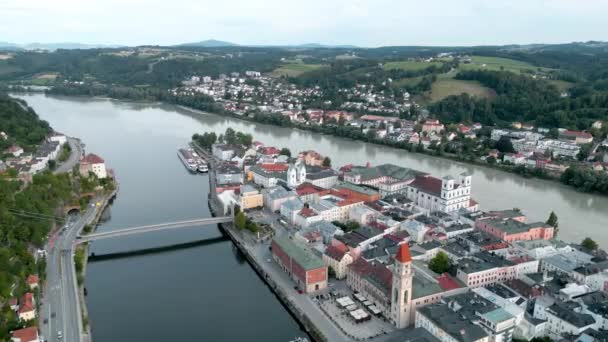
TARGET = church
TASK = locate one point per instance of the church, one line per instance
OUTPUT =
(396, 290)
(296, 174)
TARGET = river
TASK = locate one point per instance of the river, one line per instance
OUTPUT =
(203, 291)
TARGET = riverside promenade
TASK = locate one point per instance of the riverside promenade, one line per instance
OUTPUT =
(307, 311)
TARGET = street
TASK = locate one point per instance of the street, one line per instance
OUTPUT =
(73, 159)
(60, 305)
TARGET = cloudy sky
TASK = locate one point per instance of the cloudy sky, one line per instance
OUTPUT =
(361, 22)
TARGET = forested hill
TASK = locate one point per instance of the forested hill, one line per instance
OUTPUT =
(563, 85)
(522, 98)
(21, 124)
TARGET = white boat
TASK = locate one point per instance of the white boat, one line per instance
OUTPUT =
(185, 155)
(203, 168)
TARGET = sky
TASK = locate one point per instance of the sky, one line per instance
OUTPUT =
(366, 23)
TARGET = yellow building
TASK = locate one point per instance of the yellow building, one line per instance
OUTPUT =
(250, 197)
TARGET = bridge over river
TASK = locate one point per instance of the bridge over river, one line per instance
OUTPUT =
(153, 228)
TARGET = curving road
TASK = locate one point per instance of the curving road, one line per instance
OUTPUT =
(73, 159)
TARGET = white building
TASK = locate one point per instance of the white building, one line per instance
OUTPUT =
(93, 163)
(296, 174)
(446, 195)
(566, 318)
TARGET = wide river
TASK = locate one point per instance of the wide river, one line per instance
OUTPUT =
(206, 291)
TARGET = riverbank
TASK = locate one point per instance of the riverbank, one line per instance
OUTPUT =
(520, 171)
(84, 313)
(524, 172)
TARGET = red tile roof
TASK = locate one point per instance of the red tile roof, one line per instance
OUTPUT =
(92, 159)
(274, 167)
(403, 254)
(336, 252)
(427, 184)
(307, 212)
(379, 118)
(447, 283)
(27, 303)
(379, 272)
(578, 134)
(32, 279)
(270, 150)
(309, 189)
(26, 335)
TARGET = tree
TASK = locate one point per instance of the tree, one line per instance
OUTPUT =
(331, 272)
(440, 263)
(552, 220)
(505, 145)
(589, 244)
(584, 152)
(240, 220)
(491, 160)
(285, 152)
(326, 162)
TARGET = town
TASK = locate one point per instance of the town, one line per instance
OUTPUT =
(375, 249)
(394, 118)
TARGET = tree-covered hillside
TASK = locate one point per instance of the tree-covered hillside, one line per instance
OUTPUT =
(21, 124)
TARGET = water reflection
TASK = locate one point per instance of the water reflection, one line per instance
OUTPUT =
(579, 213)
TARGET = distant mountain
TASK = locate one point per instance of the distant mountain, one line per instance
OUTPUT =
(9, 46)
(323, 46)
(65, 45)
(53, 46)
(210, 43)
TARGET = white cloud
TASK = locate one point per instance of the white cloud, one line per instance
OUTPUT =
(361, 22)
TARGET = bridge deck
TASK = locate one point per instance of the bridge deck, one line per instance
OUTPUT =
(154, 227)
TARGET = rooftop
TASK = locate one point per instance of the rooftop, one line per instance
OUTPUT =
(565, 312)
(511, 226)
(389, 170)
(459, 328)
(303, 255)
(92, 159)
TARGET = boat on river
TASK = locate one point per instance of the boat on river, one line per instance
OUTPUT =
(187, 156)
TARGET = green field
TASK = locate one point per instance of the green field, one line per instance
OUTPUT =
(410, 65)
(407, 82)
(294, 70)
(497, 64)
(561, 85)
(445, 87)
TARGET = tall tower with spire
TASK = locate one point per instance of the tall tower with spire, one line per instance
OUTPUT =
(401, 297)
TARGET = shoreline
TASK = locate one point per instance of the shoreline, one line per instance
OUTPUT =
(549, 178)
(305, 322)
(84, 312)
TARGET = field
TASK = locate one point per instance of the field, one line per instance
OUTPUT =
(410, 65)
(295, 69)
(561, 85)
(446, 87)
(407, 82)
(497, 64)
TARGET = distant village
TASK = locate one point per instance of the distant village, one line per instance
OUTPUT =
(382, 247)
(381, 117)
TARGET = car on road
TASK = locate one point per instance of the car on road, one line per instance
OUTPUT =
(59, 335)
(53, 315)
(46, 320)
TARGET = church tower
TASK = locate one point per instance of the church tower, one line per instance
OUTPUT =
(401, 298)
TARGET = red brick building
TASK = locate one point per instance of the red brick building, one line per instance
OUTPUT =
(307, 270)
(510, 230)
